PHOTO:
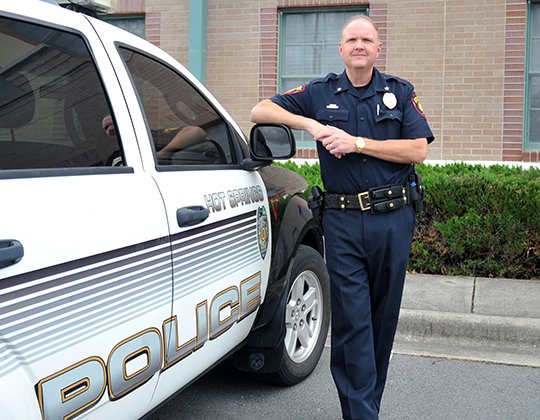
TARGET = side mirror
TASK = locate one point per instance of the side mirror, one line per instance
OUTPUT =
(271, 141)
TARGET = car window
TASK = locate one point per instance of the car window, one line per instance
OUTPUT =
(185, 128)
(52, 102)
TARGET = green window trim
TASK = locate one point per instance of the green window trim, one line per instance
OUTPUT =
(198, 24)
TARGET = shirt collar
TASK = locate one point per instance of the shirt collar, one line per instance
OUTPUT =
(378, 84)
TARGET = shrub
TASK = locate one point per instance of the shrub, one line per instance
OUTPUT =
(479, 221)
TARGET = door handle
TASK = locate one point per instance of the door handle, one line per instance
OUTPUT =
(11, 252)
(191, 215)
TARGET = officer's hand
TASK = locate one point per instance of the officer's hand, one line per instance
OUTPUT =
(338, 142)
(318, 130)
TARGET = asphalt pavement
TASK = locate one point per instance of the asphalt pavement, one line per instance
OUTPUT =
(455, 321)
(471, 318)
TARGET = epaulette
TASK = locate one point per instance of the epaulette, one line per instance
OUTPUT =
(328, 77)
(388, 77)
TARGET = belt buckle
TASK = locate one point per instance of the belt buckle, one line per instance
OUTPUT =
(364, 196)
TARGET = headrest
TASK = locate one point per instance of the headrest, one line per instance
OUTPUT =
(17, 102)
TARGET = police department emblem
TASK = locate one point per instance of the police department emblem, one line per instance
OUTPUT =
(293, 91)
(263, 231)
(417, 105)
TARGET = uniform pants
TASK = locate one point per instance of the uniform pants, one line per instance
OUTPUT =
(366, 256)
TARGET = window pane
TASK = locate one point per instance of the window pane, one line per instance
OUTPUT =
(534, 129)
(186, 129)
(313, 28)
(334, 24)
(535, 18)
(535, 54)
(133, 24)
(534, 91)
(312, 38)
(332, 60)
(293, 31)
(313, 60)
(51, 101)
(293, 61)
(532, 136)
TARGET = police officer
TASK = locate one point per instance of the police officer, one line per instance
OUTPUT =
(370, 128)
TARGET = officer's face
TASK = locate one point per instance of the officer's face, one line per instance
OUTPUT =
(359, 46)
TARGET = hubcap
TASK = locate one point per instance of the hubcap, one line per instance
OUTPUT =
(303, 316)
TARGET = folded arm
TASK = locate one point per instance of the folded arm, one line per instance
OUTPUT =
(267, 112)
(337, 141)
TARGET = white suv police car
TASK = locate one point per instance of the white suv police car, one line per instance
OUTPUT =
(141, 240)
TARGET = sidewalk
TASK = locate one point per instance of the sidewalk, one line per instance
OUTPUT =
(491, 320)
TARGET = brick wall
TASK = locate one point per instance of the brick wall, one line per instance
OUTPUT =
(466, 59)
(472, 109)
(130, 6)
(167, 25)
(453, 52)
(233, 56)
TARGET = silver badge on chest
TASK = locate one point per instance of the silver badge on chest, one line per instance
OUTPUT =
(389, 100)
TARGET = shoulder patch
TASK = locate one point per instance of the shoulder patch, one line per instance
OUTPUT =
(293, 91)
(417, 105)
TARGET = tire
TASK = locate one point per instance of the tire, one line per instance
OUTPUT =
(307, 318)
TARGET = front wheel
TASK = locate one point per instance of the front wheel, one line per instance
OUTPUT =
(307, 317)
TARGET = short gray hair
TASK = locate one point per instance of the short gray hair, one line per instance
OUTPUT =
(360, 17)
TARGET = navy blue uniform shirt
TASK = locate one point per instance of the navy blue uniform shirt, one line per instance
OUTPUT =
(333, 100)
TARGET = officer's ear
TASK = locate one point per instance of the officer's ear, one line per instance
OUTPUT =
(379, 48)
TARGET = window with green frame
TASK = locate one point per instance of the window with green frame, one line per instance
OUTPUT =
(308, 48)
(532, 111)
(131, 23)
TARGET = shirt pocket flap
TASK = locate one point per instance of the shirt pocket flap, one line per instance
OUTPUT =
(392, 114)
(333, 115)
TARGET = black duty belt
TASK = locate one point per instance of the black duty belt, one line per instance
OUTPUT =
(375, 200)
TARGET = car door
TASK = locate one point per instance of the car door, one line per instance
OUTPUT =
(217, 211)
(85, 260)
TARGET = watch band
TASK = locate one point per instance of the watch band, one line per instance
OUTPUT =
(360, 143)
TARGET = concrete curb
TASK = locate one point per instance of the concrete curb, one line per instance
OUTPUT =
(424, 324)
(470, 350)
(484, 338)
(470, 318)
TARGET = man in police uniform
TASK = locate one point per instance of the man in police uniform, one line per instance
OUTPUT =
(370, 128)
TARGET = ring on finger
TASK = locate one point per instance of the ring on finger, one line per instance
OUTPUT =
(331, 145)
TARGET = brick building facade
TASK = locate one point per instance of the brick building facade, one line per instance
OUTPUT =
(466, 58)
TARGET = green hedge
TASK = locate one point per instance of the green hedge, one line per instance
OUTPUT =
(479, 221)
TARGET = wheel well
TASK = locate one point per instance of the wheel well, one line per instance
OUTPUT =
(313, 239)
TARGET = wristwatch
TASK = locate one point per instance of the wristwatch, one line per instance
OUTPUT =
(360, 143)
